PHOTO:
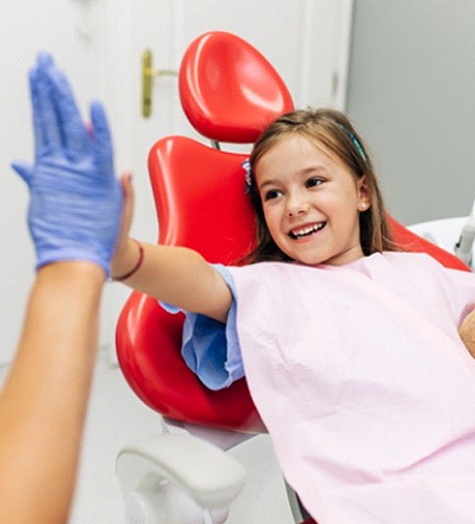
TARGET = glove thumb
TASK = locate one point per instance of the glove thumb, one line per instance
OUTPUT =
(24, 169)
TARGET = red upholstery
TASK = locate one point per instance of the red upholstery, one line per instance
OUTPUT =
(201, 203)
(228, 90)
(409, 241)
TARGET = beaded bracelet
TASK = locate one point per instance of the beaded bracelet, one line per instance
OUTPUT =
(135, 268)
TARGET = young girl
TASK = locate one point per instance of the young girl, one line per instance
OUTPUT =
(350, 348)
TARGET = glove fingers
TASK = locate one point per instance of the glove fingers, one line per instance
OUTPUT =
(73, 131)
(44, 59)
(102, 141)
(24, 169)
(40, 138)
(47, 129)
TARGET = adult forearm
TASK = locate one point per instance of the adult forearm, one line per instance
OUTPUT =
(43, 403)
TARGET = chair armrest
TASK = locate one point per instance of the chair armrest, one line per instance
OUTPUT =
(210, 476)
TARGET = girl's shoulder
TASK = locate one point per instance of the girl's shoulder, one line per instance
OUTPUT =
(403, 262)
(403, 259)
(386, 262)
(396, 258)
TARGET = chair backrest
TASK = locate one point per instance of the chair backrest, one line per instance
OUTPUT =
(228, 89)
(201, 203)
(229, 92)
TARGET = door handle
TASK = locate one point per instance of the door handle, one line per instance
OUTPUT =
(148, 74)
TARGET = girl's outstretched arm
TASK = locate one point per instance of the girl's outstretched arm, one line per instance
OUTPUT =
(176, 275)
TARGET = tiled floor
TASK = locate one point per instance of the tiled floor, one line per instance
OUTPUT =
(117, 417)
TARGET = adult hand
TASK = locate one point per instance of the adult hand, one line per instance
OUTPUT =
(75, 198)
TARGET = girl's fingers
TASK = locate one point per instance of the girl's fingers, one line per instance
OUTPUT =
(127, 208)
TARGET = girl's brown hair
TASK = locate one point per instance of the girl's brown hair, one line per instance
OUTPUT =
(333, 130)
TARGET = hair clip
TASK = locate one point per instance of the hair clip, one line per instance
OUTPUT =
(246, 165)
(355, 141)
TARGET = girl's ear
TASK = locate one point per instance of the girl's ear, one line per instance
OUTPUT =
(364, 194)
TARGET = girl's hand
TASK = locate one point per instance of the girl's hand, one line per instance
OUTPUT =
(125, 255)
(467, 332)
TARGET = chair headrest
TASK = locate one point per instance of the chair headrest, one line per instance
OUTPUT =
(228, 89)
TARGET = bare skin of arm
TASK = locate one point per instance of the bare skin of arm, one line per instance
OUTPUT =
(467, 332)
(176, 275)
(44, 400)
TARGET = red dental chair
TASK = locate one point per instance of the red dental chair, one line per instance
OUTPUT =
(229, 92)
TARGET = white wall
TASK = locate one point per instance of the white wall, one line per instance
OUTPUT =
(411, 94)
(25, 28)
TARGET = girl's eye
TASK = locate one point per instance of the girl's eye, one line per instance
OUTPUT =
(313, 182)
(273, 193)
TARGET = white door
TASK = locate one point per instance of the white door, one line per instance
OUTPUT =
(306, 41)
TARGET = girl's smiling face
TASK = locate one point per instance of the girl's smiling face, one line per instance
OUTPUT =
(311, 202)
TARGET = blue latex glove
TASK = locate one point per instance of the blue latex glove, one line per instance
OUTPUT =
(76, 200)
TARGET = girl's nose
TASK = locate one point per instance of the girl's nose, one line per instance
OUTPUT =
(297, 205)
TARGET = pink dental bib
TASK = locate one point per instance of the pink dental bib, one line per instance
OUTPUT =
(364, 385)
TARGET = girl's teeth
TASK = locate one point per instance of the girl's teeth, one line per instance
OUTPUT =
(307, 230)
